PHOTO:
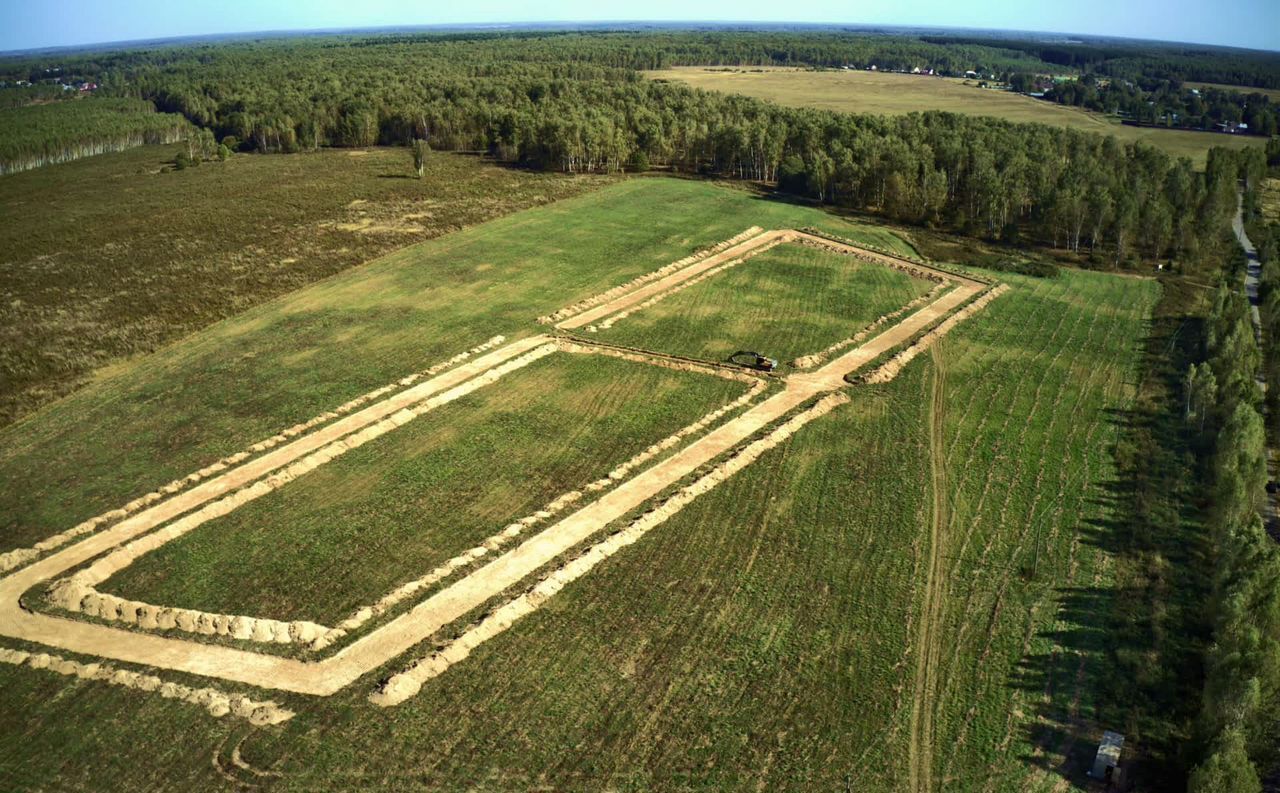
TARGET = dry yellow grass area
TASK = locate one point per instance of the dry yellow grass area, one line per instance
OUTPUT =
(896, 94)
(1271, 200)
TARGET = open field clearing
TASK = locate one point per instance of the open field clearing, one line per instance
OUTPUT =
(1025, 578)
(243, 379)
(885, 596)
(766, 635)
(108, 257)
(426, 492)
(897, 94)
(805, 397)
(786, 302)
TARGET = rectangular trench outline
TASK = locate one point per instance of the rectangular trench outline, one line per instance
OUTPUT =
(268, 630)
(639, 299)
(370, 651)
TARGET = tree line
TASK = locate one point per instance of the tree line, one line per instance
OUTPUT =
(1240, 705)
(51, 133)
(1170, 104)
(1135, 60)
(575, 103)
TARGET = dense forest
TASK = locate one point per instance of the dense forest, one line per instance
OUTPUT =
(622, 50)
(1240, 704)
(575, 102)
(43, 134)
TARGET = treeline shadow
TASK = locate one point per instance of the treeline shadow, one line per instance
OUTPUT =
(1126, 653)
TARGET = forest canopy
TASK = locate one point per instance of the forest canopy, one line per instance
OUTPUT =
(576, 102)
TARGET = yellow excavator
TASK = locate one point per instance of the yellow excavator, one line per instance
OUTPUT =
(753, 360)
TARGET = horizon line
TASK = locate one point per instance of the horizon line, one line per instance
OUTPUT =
(551, 25)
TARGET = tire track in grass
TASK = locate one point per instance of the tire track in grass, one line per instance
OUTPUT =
(969, 464)
(1072, 569)
(978, 509)
(1020, 443)
(997, 357)
(1111, 393)
(1009, 397)
(920, 751)
(691, 615)
(995, 385)
(1035, 409)
(896, 408)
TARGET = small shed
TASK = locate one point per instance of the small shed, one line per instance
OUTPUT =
(1108, 758)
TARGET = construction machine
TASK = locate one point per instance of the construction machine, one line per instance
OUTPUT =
(753, 360)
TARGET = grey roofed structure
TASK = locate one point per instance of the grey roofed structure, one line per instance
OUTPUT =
(1108, 756)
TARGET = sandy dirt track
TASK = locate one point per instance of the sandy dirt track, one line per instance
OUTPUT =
(18, 557)
(397, 636)
(667, 283)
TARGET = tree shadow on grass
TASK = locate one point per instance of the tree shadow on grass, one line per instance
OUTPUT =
(1126, 654)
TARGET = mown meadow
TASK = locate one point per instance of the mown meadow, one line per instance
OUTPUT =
(786, 302)
(159, 417)
(388, 511)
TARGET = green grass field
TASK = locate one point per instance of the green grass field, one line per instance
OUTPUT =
(113, 256)
(426, 492)
(786, 302)
(160, 417)
(763, 638)
(897, 94)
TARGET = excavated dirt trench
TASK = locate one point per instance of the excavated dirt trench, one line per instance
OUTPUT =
(409, 629)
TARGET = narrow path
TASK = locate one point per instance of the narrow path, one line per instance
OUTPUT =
(920, 751)
(1253, 272)
(1252, 281)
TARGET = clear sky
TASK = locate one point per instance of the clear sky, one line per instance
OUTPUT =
(32, 23)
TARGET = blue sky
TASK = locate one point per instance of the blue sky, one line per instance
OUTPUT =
(27, 24)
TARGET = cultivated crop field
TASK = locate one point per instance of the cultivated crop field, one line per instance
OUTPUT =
(512, 553)
(897, 94)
